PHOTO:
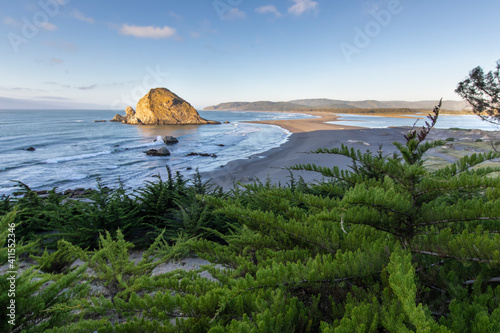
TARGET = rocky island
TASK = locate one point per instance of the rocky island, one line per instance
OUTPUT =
(160, 106)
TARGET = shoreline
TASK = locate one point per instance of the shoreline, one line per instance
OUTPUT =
(303, 136)
(306, 136)
(322, 117)
(308, 124)
(273, 163)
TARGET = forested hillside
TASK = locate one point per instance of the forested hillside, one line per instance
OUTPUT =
(323, 104)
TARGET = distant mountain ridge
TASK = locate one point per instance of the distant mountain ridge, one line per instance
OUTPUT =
(328, 104)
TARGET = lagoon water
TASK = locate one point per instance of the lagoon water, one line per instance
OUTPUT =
(73, 151)
(444, 122)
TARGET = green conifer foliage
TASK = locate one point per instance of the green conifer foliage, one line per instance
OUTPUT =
(390, 236)
(387, 246)
(37, 296)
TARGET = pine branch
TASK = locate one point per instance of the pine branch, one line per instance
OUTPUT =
(451, 257)
(419, 194)
(382, 207)
(456, 220)
(285, 284)
(455, 233)
(377, 227)
(427, 128)
(433, 287)
(439, 263)
(290, 233)
(492, 280)
(278, 285)
(304, 239)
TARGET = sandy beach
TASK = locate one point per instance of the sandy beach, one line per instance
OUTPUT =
(309, 125)
(309, 135)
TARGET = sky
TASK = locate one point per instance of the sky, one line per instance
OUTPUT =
(108, 54)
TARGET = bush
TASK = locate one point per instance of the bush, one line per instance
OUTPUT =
(385, 246)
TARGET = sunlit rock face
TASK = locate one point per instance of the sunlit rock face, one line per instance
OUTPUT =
(160, 106)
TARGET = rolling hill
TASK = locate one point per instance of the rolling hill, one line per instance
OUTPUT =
(331, 104)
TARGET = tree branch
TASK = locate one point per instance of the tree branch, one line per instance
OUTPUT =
(493, 280)
(456, 220)
(448, 189)
(383, 207)
(451, 257)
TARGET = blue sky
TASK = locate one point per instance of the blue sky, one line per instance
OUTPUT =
(107, 54)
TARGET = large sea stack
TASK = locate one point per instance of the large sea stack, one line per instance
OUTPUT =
(160, 106)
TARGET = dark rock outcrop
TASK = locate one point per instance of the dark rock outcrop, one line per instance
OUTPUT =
(160, 106)
(201, 154)
(170, 140)
(158, 152)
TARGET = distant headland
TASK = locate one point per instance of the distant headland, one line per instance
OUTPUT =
(160, 106)
(341, 106)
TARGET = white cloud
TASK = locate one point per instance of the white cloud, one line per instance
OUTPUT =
(206, 26)
(62, 45)
(269, 9)
(12, 22)
(79, 16)
(234, 14)
(48, 26)
(302, 6)
(195, 34)
(90, 87)
(147, 31)
(176, 16)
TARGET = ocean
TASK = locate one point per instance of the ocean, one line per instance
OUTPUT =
(73, 151)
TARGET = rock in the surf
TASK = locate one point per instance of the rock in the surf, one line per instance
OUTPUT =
(158, 152)
(170, 140)
(160, 106)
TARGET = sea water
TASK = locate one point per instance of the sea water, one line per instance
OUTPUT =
(73, 151)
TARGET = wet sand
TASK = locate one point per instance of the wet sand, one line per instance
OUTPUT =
(307, 136)
(308, 125)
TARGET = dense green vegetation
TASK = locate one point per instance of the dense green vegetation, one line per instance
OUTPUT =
(387, 246)
(482, 91)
